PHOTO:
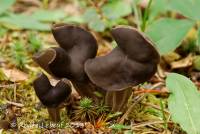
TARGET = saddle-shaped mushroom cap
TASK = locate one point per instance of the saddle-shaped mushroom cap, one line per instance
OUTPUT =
(51, 96)
(132, 62)
(77, 46)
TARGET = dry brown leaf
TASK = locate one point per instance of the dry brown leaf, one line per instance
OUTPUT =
(15, 75)
(72, 9)
(170, 57)
(185, 62)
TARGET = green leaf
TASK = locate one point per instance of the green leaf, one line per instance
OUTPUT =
(116, 9)
(90, 15)
(74, 19)
(188, 8)
(158, 7)
(94, 20)
(20, 21)
(97, 25)
(184, 102)
(167, 34)
(2, 31)
(5, 4)
(111, 23)
(35, 43)
(48, 15)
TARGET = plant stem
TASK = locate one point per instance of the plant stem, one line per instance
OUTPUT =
(163, 115)
(54, 114)
(198, 35)
(45, 4)
(146, 16)
(137, 15)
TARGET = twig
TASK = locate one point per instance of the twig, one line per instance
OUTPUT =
(15, 91)
(149, 91)
(157, 85)
(15, 103)
(150, 132)
(8, 86)
(174, 129)
(149, 123)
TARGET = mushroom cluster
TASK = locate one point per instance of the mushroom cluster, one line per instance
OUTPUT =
(132, 62)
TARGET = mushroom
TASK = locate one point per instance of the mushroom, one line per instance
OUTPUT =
(67, 61)
(52, 96)
(132, 62)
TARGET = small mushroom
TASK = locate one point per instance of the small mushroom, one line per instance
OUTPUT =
(132, 62)
(76, 46)
(51, 96)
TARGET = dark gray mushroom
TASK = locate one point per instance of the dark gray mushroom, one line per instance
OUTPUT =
(79, 45)
(76, 46)
(132, 62)
(51, 96)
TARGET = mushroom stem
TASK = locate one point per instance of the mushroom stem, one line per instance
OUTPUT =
(88, 89)
(54, 114)
(117, 100)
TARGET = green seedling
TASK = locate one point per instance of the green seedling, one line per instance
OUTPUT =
(85, 110)
(18, 54)
(35, 43)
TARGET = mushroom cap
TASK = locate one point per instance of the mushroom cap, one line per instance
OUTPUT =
(132, 62)
(51, 96)
(54, 60)
(77, 46)
(44, 58)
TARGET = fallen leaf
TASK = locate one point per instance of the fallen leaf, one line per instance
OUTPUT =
(15, 75)
(185, 62)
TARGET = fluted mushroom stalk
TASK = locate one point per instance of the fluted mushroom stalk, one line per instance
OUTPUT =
(52, 96)
(132, 62)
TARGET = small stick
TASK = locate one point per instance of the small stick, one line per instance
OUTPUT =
(15, 91)
(149, 123)
(150, 91)
(15, 103)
